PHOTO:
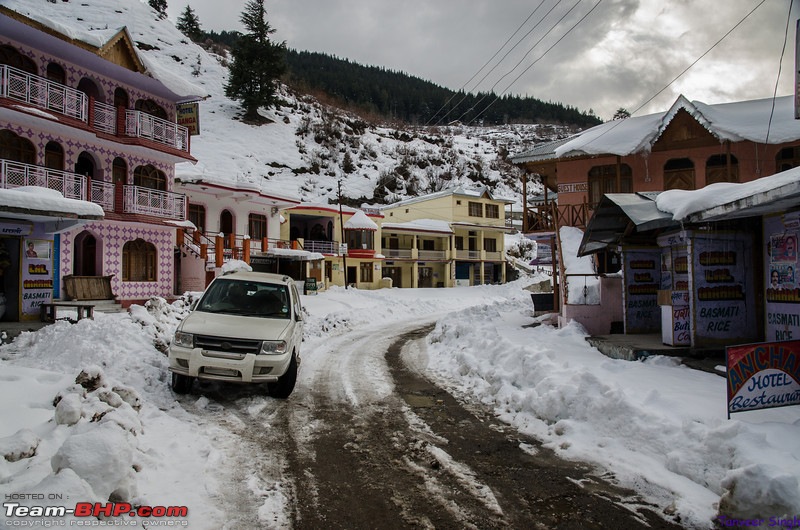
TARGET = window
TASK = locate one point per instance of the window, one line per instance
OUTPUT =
(56, 73)
(490, 245)
(119, 171)
(717, 169)
(787, 158)
(492, 211)
(459, 242)
(475, 209)
(679, 174)
(16, 148)
(138, 261)
(197, 216)
(428, 244)
(365, 271)
(54, 156)
(149, 177)
(257, 226)
(603, 179)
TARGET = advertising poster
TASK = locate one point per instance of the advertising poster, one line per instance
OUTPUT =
(781, 285)
(642, 279)
(762, 376)
(37, 276)
(719, 271)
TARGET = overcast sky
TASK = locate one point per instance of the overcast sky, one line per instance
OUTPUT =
(620, 55)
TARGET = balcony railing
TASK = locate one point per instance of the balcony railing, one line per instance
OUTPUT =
(468, 254)
(323, 247)
(16, 174)
(154, 202)
(142, 125)
(432, 255)
(48, 95)
(43, 93)
(397, 253)
(102, 193)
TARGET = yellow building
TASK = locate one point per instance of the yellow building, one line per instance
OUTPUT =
(445, 239)
(349, 240)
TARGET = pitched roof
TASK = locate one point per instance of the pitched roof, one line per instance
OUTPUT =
(762, 120)
(360, 221)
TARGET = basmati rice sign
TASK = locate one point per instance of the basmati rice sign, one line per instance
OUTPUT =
(762, 376)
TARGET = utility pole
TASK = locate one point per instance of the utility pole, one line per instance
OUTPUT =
(341, 224)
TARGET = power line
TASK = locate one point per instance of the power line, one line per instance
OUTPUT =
(486, 63)
(780, 66)
(541, 56)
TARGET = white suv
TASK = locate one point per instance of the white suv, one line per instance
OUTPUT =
(246, 328)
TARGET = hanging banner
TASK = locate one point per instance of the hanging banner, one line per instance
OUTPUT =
(37, 277)
(762, 376)
(782, 291)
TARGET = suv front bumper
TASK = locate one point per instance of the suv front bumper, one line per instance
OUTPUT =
(250, 368)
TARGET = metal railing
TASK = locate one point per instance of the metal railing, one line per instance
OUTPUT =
(323, 247)
(142, 125)
(48, 95)
(43, 93)
(154, 202)
(16, 174)
(102, 193)
(105, 117)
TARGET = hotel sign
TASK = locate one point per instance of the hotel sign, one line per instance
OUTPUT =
(189, 117)
(574, 187)
(762, 376)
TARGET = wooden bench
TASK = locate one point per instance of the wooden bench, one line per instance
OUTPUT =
(49, 311)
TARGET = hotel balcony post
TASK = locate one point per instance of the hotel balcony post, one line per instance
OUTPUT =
(219, 249)
(246, 250)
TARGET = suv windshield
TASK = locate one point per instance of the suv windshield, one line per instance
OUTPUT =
(248, 298)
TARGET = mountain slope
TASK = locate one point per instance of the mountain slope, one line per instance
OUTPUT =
(308, 147)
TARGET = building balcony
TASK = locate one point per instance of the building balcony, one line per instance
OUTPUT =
(432, 255)
(132, 199)
(44, 94)
(398, 253)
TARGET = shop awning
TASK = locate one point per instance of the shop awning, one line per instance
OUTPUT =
(619, 214)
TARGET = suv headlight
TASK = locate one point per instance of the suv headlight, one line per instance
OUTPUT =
(185, 340)
(273, 347)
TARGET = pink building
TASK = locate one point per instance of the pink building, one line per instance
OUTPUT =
(94, 124)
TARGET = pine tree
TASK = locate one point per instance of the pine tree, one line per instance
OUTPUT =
(621, 114)
(160, 6)
(258, 63)
(189, 24)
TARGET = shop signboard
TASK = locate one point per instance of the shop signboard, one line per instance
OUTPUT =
(37, 277)
(782, 292)
(642, 279)
(721, 289)
(764, 375)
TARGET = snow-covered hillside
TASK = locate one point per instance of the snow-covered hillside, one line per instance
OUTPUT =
(308, 147)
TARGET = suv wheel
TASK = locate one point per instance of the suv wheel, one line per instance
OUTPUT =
(283, 388)
(181, 384)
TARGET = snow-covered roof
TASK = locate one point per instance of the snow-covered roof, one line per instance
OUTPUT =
(774, 193)
(360, 221)
(460, 190)
(763, 121)
(47, 202)
(61, 20)
(420, 225)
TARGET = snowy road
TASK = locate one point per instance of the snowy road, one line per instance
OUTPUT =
(367, 441)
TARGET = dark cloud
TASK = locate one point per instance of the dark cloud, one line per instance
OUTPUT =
(620, 55)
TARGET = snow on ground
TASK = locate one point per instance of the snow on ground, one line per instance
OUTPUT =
(654, 425)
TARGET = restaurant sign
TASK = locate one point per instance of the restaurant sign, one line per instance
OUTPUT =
(762, 376)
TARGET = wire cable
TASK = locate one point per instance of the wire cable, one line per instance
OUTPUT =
(497, 97)
(780, 66)
(486, 63)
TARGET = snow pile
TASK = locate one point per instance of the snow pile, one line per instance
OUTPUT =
(584, 288)
(660, 426)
